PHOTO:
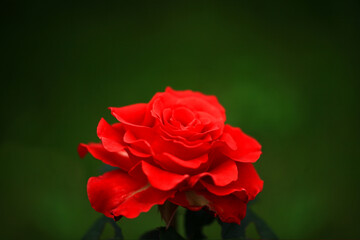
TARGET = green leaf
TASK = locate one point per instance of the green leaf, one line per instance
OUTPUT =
(151, 235)
(117, 230)
(96, 229)
(195, 222)
(170, 234)
(262, 228)
(232, 230)
(162, 234)
(94, 233)
(236, 231)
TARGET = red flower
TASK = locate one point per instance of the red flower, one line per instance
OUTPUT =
(175, 148)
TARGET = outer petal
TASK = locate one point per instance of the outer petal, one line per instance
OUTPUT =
(239, 146)
(189, 199)
(248, 183)
(161, 179)
(116, 139)
(221, 175)
(133, 115)
(249, 179)
(118, 194)
(112, 138)
(115, 159)
(228, 208)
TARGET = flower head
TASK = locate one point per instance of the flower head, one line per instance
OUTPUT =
(178, 148)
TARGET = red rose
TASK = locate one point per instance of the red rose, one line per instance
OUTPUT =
(175, 148)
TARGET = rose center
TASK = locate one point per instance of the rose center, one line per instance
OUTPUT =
(183, 115)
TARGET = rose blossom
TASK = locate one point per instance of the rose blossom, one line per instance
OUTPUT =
(176, 148)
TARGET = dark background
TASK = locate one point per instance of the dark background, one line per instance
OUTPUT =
(287, 73)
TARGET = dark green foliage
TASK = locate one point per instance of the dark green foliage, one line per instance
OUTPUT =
(232, 230)
(94, 233)
(170, 234)
(162, 234)
(151, 235)
(262, 228)
(236, 231)
(195, 222)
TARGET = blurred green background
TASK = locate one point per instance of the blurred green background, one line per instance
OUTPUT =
(287, 73)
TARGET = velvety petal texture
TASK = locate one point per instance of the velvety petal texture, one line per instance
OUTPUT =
(175, 148)
(117, 193)
(239, 146)
(116, 159)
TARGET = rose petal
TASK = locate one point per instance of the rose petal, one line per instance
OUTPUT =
(193, 141)
(249, 179)
(137, 146)
(175, 164)
(159, 103)
(116, 159)
(189, 200)
(112, 138)
(183, 115)
(247, 149)
(118, 194)
(227, 190)
(116, 139)
(164, 144)
(229, 208)
(133, 115)
(194, 101)
(208, 98)
(230, 142)
(248, 182)
(161, 179)
(221, 175)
